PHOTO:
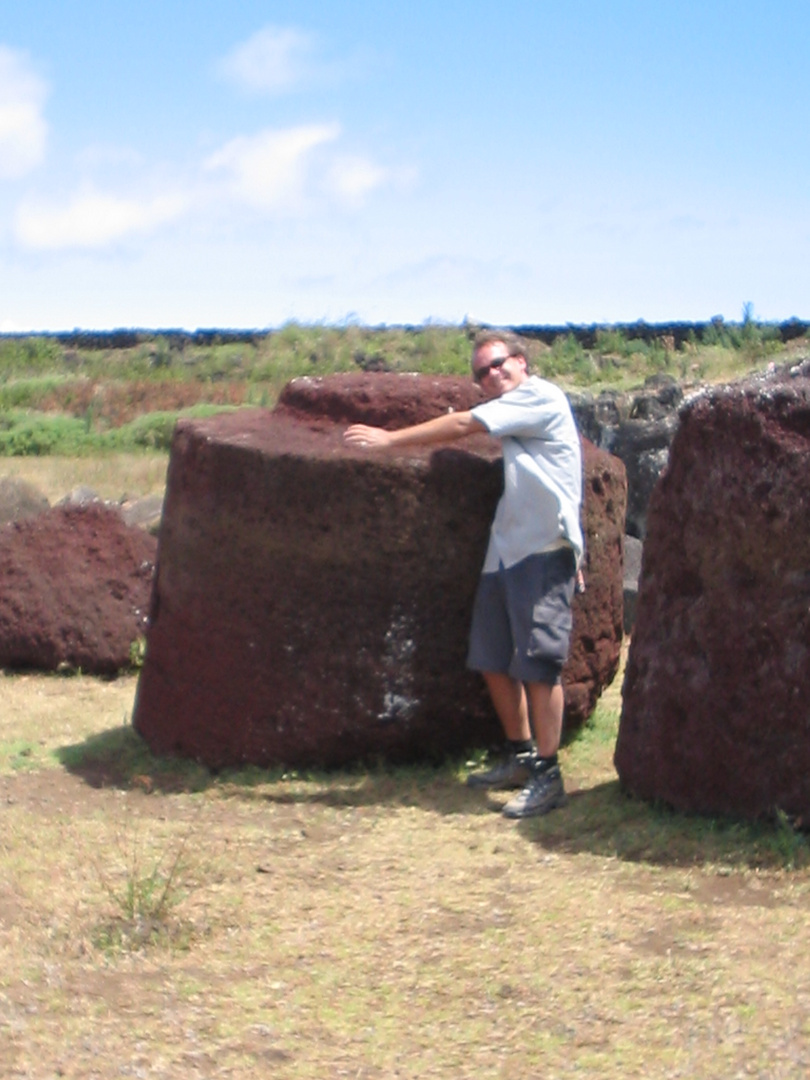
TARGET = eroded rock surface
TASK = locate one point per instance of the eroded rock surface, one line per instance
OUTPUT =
(312, 601)
(716, 714)
(75, 584)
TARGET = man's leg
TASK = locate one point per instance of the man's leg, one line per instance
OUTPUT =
(509, 699)
(546, 703)
(490, 653)
(544, 790)
(513, 770)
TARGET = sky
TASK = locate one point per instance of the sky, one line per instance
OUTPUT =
(241, 164)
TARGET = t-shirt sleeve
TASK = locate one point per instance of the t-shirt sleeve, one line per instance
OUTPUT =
(527, 410)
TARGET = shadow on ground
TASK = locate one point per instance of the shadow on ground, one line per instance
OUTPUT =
(119, 758)
(600, 820)
(604, 821)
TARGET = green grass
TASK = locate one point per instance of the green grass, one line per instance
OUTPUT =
(620, 361)
(27, 433)
(19, 755)
(144, 882)
(27, 392)
(29, 355)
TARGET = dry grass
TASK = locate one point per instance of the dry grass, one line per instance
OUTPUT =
(111, 476)
(377, 924)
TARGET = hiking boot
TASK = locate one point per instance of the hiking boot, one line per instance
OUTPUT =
(543, 792)
(512, 771)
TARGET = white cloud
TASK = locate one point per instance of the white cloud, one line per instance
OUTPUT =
(92, 220)
(351, 178)
(283, 171)
(104, 155)
(270, 170)
(23, 130)
(271, 61)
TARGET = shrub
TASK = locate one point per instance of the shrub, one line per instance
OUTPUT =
(28, 355)
(27, 393)
(568, 358)
(31, 434)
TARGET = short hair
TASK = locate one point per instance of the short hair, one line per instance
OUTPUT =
(515, 344)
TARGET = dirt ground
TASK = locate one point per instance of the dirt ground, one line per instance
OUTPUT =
(375, 924)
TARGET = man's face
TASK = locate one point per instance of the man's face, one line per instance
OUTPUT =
(496, 370)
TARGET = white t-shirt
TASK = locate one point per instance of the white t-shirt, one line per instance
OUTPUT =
(542, 464)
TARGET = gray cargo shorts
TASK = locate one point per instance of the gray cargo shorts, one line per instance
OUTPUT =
(522, 620)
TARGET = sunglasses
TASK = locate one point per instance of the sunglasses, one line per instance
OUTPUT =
(480, 373)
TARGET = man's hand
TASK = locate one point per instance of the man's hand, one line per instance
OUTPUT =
(441, 429)
(363, 435)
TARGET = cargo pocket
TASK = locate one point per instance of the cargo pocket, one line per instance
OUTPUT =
(552, 621)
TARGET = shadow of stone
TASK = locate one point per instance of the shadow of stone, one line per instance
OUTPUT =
(119, 758)
(602, 821)
(605, 821)
(441, 793)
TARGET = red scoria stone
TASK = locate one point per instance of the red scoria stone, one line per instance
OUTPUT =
(75, 584)
(716, 714)
(312, 601)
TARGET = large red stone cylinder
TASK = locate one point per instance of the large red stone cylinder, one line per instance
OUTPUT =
(312, 601)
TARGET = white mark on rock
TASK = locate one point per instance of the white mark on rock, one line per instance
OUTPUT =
(399, 702)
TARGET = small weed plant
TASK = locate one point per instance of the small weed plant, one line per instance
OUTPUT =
(137, 653)
(145, 884)
(789, 842)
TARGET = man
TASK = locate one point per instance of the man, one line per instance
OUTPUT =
(522, 616)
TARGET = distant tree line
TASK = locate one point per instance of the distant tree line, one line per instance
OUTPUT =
(679, 332)
(585, 335)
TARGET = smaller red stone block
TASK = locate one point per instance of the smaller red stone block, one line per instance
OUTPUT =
(716, 714)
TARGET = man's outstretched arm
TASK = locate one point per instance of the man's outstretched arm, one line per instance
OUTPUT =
(442, 429)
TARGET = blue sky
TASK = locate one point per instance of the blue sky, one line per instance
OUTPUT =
(171, 163)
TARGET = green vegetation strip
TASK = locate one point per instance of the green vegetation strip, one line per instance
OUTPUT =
(25, 433)
(53, 397)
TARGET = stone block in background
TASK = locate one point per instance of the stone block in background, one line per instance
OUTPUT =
(638, 427)
(75, 584)
(144, 512)
(20, 500)
(312, 601)
(716, 714)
